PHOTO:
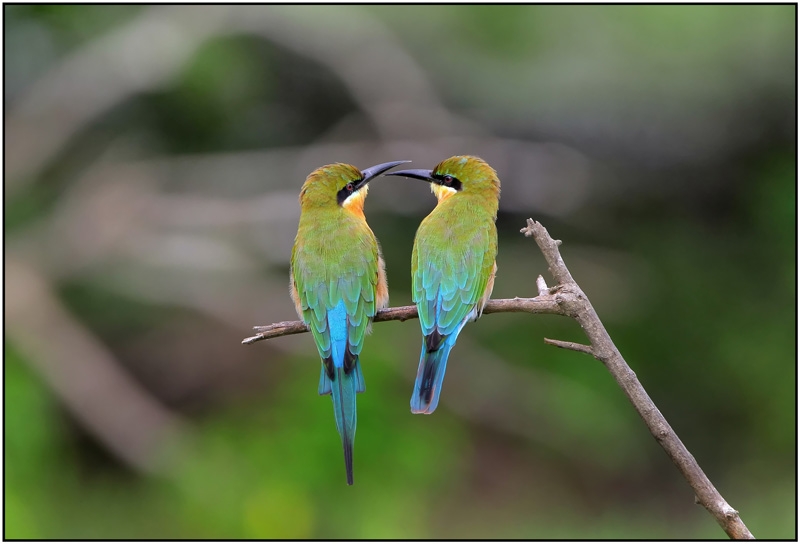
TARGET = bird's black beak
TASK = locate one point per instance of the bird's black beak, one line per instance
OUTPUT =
(374, 171)
(424, 175)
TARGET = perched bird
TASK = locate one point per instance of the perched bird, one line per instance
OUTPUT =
(338, 282)
(452, 264)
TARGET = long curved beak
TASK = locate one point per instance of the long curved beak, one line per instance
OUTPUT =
(424, 175)
(374, 171)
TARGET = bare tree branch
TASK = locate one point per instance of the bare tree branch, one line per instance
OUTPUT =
(576, 305)
(540, 305)
(574, 346)
(568, 299)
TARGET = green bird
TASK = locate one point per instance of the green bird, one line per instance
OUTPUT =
(338, 282)
(452, 264)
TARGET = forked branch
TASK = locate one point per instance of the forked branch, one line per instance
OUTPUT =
(567, 299)
(576, 305)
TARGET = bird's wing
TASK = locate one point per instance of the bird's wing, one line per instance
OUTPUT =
(450, 279)
(329, 292)
(357, 290)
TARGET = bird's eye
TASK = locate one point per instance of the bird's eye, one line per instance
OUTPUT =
(448, 180)
(349, 187)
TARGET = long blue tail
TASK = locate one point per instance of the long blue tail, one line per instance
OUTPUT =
(343, 389)
(341, 378)
(430, 374)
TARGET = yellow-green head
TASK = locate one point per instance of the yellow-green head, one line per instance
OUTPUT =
(340, 186)
(463, 174)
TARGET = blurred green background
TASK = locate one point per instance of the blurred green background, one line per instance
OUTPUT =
(152, 164)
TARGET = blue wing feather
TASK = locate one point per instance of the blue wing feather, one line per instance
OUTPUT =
(336, 293)
(447, 287)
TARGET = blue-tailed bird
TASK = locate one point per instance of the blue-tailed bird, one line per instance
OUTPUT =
(452, 263)
(338, 282)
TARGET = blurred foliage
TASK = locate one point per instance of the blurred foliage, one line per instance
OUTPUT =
(688, 253)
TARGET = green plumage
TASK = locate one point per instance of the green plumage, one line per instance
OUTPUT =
(452, 260)
(338, 283)
(452, 264)
(336, 261)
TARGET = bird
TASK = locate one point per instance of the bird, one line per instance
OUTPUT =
(453, 263)
(338, 282)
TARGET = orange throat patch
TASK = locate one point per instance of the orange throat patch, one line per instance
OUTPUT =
(442, 192)
(355, 202)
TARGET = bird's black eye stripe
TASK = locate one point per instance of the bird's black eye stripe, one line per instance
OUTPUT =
(346, 191)
(448, 181)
